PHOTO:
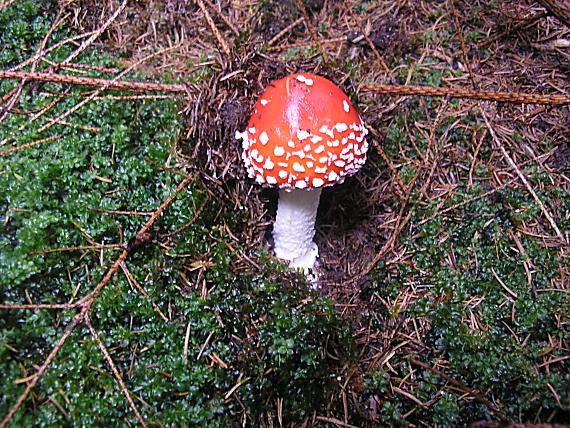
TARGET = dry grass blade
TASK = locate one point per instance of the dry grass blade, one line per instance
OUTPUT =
(114, 370)
(402, 221)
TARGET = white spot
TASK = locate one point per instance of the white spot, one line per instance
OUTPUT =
(341, 127)
(315, 139)
(364, 147)
(278, 151)
(259, 158)
(346, 106)
(252, 130)
(263, 102)
(254, 154)
(298, 167)
(263, 138)
(333, 176)
(283, 174)
(259, 179)
(268, 165)
(310, 164)
(302, 134)
(271, 180)
(306, 80)
(323, 159)
(322, 170)
(300, 184)
(323, 129)
(291, 144)
(340, 163)
(307, 148)
(283, 164)
(351, 136)
(320, 149)
(318, 182)
(250, 172)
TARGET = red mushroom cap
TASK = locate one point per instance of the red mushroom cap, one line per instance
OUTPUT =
(304, 133)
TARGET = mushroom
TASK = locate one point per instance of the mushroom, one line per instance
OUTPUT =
(304, 134)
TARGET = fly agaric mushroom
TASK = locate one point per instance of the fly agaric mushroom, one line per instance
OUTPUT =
(303, 135)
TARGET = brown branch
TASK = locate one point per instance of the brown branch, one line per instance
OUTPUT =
(91, 81)
(116, 373)
(141, 290)
(95, 35)
(5, 3)
(312, 30)
(284, 31)
(87, 302)
(227, 21)
(214, 29)
(41, 370)
(77, 106)
(27, 145)
(432, 91)
(42, 52)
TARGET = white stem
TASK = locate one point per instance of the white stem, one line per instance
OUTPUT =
(294, 227)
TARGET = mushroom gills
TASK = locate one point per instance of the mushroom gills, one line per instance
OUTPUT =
(294, 227)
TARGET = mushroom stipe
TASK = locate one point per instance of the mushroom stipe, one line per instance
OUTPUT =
(304, 134)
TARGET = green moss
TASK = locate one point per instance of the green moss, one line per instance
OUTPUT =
(265, 332)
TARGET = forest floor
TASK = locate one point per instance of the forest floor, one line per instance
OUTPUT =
(442, 297)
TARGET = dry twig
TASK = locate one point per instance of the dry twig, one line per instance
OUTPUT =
(85, 304)
(312, 30)
(215, 30)
(513, 165)
(502, 97)
(92, 81)
(116, 373)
